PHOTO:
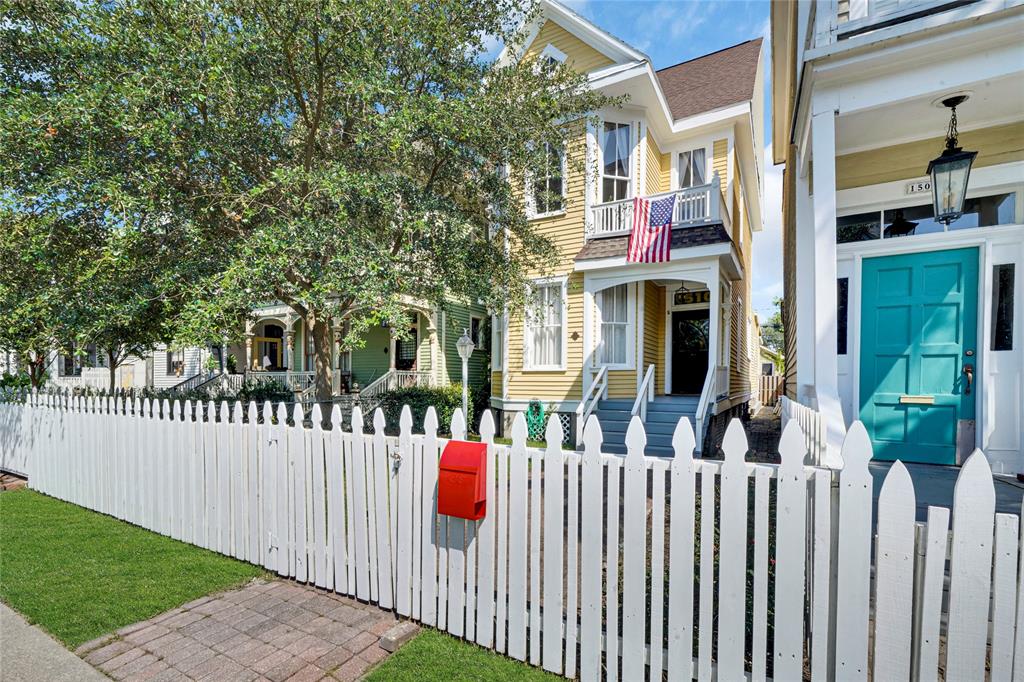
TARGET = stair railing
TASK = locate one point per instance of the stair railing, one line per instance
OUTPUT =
(644, 394)
(597, 390)
(707, 401)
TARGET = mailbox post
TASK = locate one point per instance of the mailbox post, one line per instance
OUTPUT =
(465, 347)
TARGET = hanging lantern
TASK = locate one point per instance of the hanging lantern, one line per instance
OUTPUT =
(950, 171)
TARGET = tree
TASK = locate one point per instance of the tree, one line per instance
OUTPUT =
(772, 329)
(340, 156)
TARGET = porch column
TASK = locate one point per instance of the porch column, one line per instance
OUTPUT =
(714, 320)
(249, 336)
(823, 141)
(805, 289)
(289, 343)
(392, 347)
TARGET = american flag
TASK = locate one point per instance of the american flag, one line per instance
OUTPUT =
(650, 240)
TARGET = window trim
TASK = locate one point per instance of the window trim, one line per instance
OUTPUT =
(498, 335)
(630, 160)
(552, 52)
(477, 340)
(531, 200)
(528, 365)
(630, 323)
(677, 171)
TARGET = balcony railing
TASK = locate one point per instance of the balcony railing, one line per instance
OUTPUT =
(694, 205)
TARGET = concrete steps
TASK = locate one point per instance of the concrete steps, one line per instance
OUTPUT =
(662, 416)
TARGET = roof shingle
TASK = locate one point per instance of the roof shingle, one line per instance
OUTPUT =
(712, 81)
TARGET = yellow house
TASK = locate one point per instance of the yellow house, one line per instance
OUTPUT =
(657, 340)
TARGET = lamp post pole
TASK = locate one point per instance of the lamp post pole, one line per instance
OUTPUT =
(465, 347)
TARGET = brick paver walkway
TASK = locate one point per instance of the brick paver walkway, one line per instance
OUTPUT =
(268, 630)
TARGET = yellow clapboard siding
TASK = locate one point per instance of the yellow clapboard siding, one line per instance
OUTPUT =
(621, 383)
(654, 333)
(720, 160)
(995, 145)
(665, 172)
(579, 55)
(497, 380)
(652, 174)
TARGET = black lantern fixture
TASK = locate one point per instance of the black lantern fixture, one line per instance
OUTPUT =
(950, 171)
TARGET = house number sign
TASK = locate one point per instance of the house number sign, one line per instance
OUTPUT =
(918, 187)
(688, 297)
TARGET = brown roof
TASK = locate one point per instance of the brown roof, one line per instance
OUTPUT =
(682, 237)
(712, 81)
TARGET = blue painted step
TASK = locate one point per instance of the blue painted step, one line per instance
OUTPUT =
(662, 416)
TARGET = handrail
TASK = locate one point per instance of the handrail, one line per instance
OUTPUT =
(378, 385)
(693, 205)
(707, 400)
(644, 394)
(191, 383)
(597, 389)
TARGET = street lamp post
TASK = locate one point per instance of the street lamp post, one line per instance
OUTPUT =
(465, 347)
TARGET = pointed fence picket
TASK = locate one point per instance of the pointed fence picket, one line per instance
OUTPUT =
(774, 578)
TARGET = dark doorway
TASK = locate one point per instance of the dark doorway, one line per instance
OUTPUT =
(689, 350)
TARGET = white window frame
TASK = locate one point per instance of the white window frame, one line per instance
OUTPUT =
(498, 335)
(528, 364)
(552, 52)
(531, 200)
(630, 160)
(630, 362)
(677, 173)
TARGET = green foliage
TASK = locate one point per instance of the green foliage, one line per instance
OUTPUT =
(80, 574)
(15, 381)
(444, 399)
(772, 329)
(259, 390)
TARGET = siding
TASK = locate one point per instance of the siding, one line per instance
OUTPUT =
(372, 357)
(995, 145)
(496, 384)
(193, 358)
(579, 55)
(789, 321)
(665, 172)
(457, 319)
(654, 333)
(621, 383)
(720, 161)
(654, 180)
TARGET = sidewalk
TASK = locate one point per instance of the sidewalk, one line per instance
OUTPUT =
(27, 654)
(276, 630)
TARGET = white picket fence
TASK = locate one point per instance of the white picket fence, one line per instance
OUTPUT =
(812, 425)
(568, 570)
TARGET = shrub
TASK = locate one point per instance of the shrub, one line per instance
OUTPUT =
(444, 399)
(15, 381)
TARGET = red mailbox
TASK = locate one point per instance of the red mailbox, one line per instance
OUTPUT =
(461, 482)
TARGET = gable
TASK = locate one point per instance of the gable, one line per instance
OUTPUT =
(579, 55)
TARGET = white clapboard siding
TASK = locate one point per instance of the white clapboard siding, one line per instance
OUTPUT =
(571, 542)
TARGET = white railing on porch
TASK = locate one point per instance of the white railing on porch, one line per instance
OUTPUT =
(644, 394)
(394, 379)
(295, 381)
(597, 391)
(694, 205)
(100, 382)
(565, 571)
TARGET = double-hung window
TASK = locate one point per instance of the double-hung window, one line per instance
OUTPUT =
(615, 148)
(692, 168)
(548, 188)
(613, 304)
(544, 326)
(497, 341)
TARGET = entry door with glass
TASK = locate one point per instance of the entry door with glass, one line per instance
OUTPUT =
(918, 362)
(690, 330)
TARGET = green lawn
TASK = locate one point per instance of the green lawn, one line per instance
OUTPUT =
(80, 574)
(433, 655)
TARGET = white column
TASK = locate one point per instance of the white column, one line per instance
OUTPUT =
(823, 150)
(805, 289)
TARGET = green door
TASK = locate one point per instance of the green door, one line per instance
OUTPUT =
(918, 354)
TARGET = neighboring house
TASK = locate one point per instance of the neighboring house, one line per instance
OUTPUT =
(892, 317)
(601, 331)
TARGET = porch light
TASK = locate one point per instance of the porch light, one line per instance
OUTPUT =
(465, 347)
(950, 171)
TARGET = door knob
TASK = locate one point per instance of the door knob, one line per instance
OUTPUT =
(969, 373)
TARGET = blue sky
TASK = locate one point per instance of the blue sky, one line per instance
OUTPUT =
(672, 31)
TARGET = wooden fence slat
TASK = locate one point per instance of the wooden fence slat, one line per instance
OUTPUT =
(732, 571)
(970, 570)
(705, 622)
(759, 650)
(592, 553)
(360, 513)
(572, 564)
(430, 520)
(348, 443)
(681, 528)
(485, 543)
(853, 563)
(930, 597)
(404, 499)
(821, 574)
(634, 552)
(321, 540)
(282, 525)
(335, 472)
(894, 581)
(382, 465)
(1004, 596)
(239, 476)
(457, 552)
(790, 547)
(554, 551)
(501, 610)
(657, 612)
(1018, 645)
(536, 469)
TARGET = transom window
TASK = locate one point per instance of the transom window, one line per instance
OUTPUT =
(613, 304)
(615, 149)
(544, 320)
(548, 189)
(890, 223)
(692, 165)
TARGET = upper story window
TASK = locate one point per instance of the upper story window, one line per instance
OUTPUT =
(545, 316)
(552, 56)
(615, 150)
(549, 189)
(987, 211)
(692, 168)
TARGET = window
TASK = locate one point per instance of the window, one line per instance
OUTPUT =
(475, 328)
(175, 363)
(544, 316)
(613, 306)
(615, 161)
(995, 209)
(1002, 306)
(692, 168)
(552, 56)
(497, 341)
(548, 189)
(842, 311)
(310, 355)
(71, 365)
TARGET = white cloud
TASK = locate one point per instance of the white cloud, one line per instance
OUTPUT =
(767, 266)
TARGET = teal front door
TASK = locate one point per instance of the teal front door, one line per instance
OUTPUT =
(919, 318)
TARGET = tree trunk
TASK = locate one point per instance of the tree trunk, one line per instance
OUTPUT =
(112, 366)
(36, 368)
(323, 339)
